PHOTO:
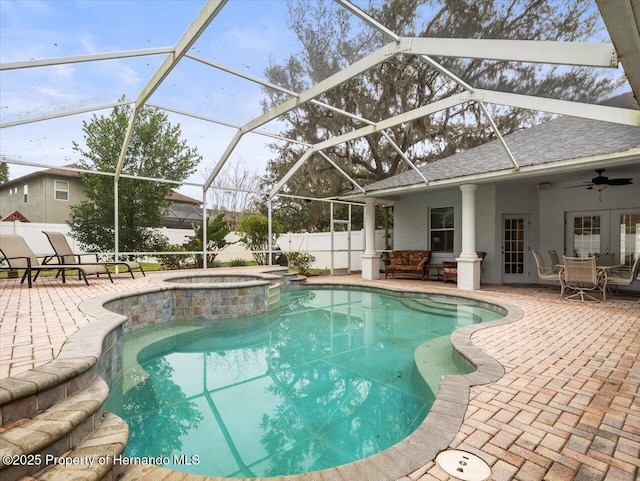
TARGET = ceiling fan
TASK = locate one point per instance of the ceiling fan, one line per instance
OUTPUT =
(600, 182)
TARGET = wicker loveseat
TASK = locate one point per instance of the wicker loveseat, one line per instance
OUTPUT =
(407, 262)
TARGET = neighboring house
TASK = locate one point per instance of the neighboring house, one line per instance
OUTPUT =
(46, 197)
(478, 200)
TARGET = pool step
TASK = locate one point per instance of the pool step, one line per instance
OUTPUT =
(51, 432)
(95, 457)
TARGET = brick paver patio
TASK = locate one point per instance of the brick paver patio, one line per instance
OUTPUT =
(567, 408)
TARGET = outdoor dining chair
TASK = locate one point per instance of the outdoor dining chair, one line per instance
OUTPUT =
(65, 254)
(19, 255)
(555, 260)
(582, 276)
(624, 276)
(547, 273)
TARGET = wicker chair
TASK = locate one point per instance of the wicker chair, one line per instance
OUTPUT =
(582, 276)
(450, 271)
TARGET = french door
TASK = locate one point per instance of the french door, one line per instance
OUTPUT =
(588, 233)
(515, 249)
(614, 232)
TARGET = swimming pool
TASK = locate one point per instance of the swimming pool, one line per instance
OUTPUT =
(328, 379)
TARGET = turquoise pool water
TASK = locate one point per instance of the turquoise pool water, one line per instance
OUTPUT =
(328, 379)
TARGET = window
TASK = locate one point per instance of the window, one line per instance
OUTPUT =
(629, 237)
(586, 235)
(61, 189)
(25, 191)
(441, 229)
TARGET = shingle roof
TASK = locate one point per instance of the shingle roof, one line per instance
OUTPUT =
(564, 138)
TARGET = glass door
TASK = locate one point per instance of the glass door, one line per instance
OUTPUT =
(515, 249)
(588, 233)
(629, 225)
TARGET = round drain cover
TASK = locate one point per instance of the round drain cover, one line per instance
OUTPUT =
(463, 465)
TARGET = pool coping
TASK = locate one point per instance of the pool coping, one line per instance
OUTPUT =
(83, 349)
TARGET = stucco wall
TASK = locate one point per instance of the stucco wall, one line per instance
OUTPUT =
(34, 209)
(545, 209)
(411, 219)
(519, 200)
(411, 225)
(562, 198)
(41, 205)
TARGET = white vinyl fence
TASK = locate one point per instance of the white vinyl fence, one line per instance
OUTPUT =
(317, 244)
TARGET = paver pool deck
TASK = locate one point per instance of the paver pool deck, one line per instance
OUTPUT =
(567, 407)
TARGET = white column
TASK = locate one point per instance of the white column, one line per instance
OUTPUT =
(370, 258)
(468, 262)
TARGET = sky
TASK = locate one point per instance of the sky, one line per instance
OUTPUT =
(247, 35)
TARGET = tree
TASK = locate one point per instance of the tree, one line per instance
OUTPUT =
(237, 201)
(4, 172)
(256, 235)
(402, 83)
(156, 150)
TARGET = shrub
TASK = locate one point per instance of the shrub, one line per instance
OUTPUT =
(255, 230)
(301, 261)
(238, 262)
(173, 262)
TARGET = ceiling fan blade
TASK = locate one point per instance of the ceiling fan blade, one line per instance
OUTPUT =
(588, 185)
(621, 181)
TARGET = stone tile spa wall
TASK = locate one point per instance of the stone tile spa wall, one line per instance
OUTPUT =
(189, 302)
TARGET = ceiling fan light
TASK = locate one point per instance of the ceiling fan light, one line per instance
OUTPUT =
(600, 187)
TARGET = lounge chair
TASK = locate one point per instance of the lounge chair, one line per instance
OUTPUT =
(582, 276)
(548, 273)
(624, 276)
(20, 256)
(66, 256)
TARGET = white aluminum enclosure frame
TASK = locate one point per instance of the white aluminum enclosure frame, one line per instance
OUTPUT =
(618, 17)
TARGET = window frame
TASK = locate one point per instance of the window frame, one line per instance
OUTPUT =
(448, 232)
(56, 190)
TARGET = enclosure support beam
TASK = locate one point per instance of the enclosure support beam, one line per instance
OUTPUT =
(337, 167)
(499, 135)
(586, 54)
(197, 27)
(116, 220)
(561, 107)
(269, 230)
(205, 240)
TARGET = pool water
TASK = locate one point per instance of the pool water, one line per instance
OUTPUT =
(328, 379)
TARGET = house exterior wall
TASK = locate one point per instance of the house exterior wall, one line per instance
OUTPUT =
(411, 220)
(12, 198)
(516, 199)
(411, 225)
(562, 198)
(41, 205)
(545, 209)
